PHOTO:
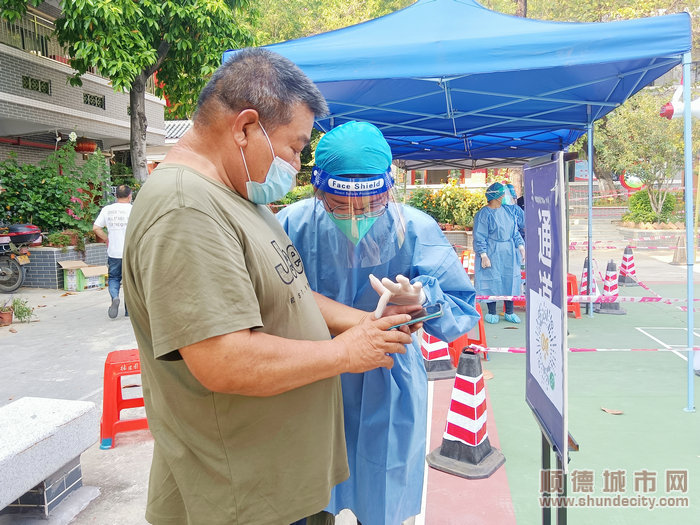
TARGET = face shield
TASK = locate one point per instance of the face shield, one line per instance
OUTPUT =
(363, 215)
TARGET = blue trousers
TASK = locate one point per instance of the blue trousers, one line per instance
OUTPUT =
(114, 280)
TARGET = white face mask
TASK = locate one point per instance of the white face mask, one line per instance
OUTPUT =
(278, 182)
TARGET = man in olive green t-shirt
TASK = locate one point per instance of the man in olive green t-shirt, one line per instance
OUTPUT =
(240, 376)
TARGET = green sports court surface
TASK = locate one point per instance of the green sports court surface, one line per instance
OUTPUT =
(627, 454)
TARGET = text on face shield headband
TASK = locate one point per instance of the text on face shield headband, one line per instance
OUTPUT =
(352, 186)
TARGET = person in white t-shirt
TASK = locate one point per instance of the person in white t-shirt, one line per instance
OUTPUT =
(115, 218)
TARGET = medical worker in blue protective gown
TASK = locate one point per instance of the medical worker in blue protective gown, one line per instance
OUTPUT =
(510, 199)
(360, 247)
(499, 249)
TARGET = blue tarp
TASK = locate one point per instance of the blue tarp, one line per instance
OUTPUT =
(486, 84)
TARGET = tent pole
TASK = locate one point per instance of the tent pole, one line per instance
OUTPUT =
(689, 215)
(589, 268)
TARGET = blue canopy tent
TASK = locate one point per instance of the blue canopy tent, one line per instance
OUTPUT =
(454, 69)
(451, 81)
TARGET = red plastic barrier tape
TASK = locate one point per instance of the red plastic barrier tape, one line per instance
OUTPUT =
(654, 238)
(617, 247)
(521, 350)
(589, 299)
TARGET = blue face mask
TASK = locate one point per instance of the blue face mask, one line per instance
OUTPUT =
(354, 229)
(278, 182)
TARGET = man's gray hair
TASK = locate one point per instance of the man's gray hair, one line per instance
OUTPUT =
(257, 78)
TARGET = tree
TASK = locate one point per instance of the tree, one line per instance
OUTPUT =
(635, 139)
(282, 20)
(599, 10)
(127, 41)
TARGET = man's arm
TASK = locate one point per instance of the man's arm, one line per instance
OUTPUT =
(253, 363)
(99, 232)
(338, 317)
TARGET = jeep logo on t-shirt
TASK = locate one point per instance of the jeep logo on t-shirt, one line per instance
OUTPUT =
(291, 265)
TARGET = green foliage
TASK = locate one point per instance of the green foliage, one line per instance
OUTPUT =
(635, 139)
(600, 11)
(296, 194)
(281, 20)
(426, 200)
(59, 239)
(126, 39)
(56, 195)
(22, 311)
(641, 209)
(450, 204)
(120, 173)
(129, 41)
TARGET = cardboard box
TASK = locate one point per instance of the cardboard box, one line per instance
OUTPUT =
(78, 276)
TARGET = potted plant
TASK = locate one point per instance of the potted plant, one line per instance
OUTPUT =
(21, 309)
(6, 312)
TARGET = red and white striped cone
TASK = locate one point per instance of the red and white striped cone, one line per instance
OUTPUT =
(466, 450)
(628, 274)
(468, 261)
(436, 357)
(609, 289)
(584, 283)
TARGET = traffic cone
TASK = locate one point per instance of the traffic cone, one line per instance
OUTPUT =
(466, 450)
(583, 289)
(584, 283)
(628, 274)
(680, 256)
(609, 290)
(436, 358)
(477, 335)
(468, 261)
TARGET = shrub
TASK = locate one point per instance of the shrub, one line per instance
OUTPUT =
(297, 193)
(55, 195)
(450, 204)
(22, 311)
(427, 200)
(641, 210)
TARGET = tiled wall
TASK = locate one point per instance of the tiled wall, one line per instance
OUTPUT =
(45, 272)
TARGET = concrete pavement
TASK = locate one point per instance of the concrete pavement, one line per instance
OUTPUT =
(60, 354)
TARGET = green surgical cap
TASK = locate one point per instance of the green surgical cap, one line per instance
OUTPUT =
(353, 148)
(494, 191)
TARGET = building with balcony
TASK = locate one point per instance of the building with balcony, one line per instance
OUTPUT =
(39, 108)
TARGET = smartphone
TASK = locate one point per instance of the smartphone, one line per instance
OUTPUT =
(428, 312)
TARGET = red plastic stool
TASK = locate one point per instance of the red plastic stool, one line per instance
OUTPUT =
(119, 363)
(572, 289)
(476, 336)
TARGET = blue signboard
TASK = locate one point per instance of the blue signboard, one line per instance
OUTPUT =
(546, 355)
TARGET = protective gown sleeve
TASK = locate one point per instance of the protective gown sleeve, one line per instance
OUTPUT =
(436, 265)
(519, 217)
(481, 232)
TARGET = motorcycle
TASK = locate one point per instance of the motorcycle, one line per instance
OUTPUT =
(14, 254)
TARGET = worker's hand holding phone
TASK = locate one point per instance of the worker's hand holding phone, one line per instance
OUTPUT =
(428, 312)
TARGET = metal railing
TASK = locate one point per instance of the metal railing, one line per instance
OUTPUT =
(35, 34)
